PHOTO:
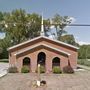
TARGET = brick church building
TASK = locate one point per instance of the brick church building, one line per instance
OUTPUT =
(45, 51)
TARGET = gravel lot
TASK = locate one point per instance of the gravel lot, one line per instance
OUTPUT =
(78, 81)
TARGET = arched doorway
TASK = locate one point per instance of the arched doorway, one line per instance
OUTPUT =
(26, 62)
(41, 60)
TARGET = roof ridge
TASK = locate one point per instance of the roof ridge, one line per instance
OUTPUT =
(60, 42)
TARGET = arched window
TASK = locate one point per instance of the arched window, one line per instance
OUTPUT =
(56, 61)
(26, 61)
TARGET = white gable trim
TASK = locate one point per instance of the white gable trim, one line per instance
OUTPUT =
(22, 51)
(45, 38)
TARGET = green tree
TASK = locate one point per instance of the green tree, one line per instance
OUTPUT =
(21, 26)
(34, 25)
(47, 26)
(60, 22)
(1, 19)
(84, 52)
(4, 44)
(69, 39)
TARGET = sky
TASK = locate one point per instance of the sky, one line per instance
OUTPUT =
(78, 9)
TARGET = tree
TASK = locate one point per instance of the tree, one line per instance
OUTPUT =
(84, 52)
(4, 44)
(60, 22)
(47, 26)
(69, 39)
(21, 26)
(1, 16)
(34, 25)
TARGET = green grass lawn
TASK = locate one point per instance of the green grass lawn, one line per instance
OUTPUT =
(85, 62)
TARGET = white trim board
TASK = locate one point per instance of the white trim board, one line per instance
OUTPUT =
(35, 46)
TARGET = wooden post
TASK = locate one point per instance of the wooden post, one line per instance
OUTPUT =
(39, 79)
(39, 72)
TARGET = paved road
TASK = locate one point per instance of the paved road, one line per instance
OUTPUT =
(84, 67)
(78, 81)
(3, 68)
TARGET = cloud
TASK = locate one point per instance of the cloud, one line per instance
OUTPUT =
(83, 43)
(72, 19)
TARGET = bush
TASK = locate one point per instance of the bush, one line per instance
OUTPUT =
(56, 70)
(12, 69)
(25, 69)
(68, 69)
(42, 69)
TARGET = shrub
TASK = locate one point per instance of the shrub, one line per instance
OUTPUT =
(56, 70)
(42, 69)
(68, 69)
(25, 69)
(12, 69)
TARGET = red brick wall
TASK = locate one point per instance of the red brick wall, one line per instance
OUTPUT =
(13, 60)
(48, 63)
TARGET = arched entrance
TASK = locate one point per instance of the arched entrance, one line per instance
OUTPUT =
(56, 62)
(41, 60)
(26, 62)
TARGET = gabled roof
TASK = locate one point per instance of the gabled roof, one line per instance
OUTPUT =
(23, 43)
(44, 45)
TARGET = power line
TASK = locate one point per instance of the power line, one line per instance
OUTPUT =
(79, 25)
(82, 25)
(72, 24)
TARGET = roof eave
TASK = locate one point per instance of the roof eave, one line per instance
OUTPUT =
(35, 46)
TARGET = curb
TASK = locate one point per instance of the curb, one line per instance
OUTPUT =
(84, 67)
(3, 73)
